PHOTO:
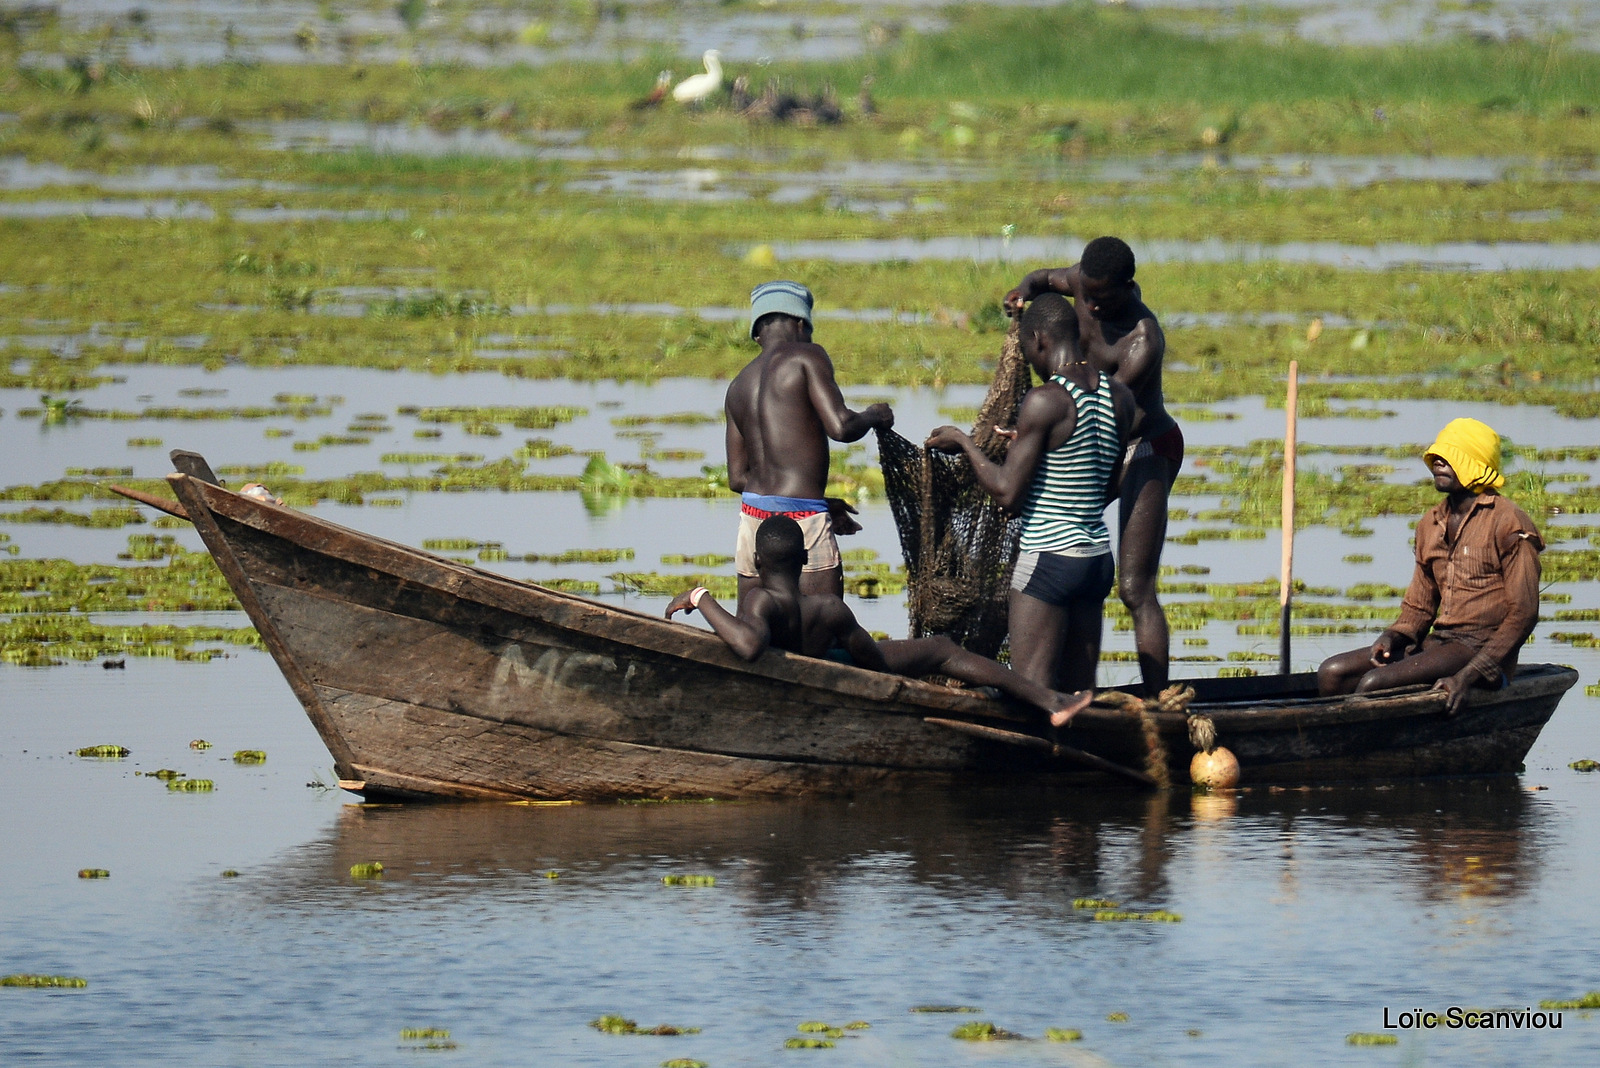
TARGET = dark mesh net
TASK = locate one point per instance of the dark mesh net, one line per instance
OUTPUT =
(959, 545)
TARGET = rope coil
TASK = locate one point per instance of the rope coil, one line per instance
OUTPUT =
(1175, 698)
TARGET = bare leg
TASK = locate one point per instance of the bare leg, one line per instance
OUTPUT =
(939, 655)
(1142, 521)
(1341, 672)
(823, 583)
(1080, 646)
(1037, 630)
(1428, 666)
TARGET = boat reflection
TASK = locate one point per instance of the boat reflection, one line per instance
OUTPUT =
(1035, 850)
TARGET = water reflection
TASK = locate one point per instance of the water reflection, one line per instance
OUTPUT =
(1039, 849)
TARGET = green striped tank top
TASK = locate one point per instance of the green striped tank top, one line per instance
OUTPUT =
(1066, 503)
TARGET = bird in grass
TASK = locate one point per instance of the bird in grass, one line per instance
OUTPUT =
(698, 89)
(656, 94)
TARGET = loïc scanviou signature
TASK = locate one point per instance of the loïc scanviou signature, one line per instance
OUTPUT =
(1456, 1017)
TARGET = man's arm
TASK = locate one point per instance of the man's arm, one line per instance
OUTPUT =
(1521, 567)
(1126, 410)
(738, 457)
(748, 634)
(1045, 280)
(838, 422)
(1136, 355)
(1417, 611)
(1045, 411)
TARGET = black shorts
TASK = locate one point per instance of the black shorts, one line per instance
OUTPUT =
(1062, 580)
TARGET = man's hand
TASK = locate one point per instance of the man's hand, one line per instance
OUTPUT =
(840, 512)
(1013, 302)
(1388, 647)
(1456, 688)
(946, 439)
(881, 415)
(680, 603)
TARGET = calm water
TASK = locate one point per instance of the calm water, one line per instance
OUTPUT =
(1305, 913)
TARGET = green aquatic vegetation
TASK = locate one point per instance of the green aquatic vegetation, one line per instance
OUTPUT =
(613, 1024)
(541, 449)
(229, 873)
(857, 1025)
(700, 560)
(809, 1043)
(583, 587)
(164, 774)
(104, 752)
(688, 880)
(551, 874)
(411, 1034)
(982, 1031)
(367, 870)
(429, 458)
(816, 1027)
(93, 873)
(250, 756)
(200, 744)
(722, 587)
(191, 786)
(1117, 1017)
(670, 419)
(944, 1008)
(40, 981)
(1591, 1000)
(1062, 1034)
(524, 418)
(1357, 558)
(684, 1062)
(1592, 691)
(1585, 765)
(580, 556)
(1093, 903)
(1156, 916)
(1582, 640)
(149, 547)
(144, 443)
(603, 478)
(1365, 1038)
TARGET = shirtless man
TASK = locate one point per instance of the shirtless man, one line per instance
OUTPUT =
(1122, 338)
(1059, 473)
(1474, 594)
(782, 410)
(776, 613)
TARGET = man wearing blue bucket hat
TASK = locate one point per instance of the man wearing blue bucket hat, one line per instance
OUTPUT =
(782, 410)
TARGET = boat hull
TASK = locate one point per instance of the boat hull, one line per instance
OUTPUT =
(428, 678)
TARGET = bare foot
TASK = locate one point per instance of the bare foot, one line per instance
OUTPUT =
(1068, 705)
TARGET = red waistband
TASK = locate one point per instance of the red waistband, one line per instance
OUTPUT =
(760, 513)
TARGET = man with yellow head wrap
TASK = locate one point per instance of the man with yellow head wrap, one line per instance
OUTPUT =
(1474, 596)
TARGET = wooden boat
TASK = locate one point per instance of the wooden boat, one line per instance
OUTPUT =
(428, 678)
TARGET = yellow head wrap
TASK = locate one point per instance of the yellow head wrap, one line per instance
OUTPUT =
(1472, 449)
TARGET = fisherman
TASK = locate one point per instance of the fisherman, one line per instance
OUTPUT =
(776, 613)
(782, 410)
(1059, 473)
(1122, 338)
(1474, 595)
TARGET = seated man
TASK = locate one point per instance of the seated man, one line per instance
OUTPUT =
(1474, 596)
(1060, 472)
(775, 613)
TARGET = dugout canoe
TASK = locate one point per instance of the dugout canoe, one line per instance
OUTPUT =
(429, 678)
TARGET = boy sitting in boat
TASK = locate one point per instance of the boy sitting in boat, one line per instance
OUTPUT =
(1474, 596)
(774, 612)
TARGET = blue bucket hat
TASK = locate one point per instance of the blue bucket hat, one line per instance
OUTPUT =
(789, 298)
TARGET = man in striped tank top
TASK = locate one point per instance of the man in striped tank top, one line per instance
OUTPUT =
(1059, 473)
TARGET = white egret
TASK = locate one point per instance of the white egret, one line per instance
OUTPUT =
(697, 89)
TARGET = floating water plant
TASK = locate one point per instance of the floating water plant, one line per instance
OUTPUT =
(1591, 1000)
(1093, 903)
(250, 756)
(689, 880)
(1062, 1034)
(66, 981)
(1117, 1017)
(1364, 1038)
(192, 786)
(857, 1025)
(809, 1043)
(944, 1008)
(164, 774)
(1157, 916)
(229, 873)
(817, 1027)
(369, 870)
(199, 743)
(104, 752)
(411, 1034)
(684, 1062)
(551, 874)
(1585, 765)
(982, 1031)
(613, 1024)
(93, 873)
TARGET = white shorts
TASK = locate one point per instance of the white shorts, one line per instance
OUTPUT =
(822, 548)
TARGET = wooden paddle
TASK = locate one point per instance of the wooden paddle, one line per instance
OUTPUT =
(1055, 749)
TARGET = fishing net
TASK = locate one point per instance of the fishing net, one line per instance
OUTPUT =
(959, 545)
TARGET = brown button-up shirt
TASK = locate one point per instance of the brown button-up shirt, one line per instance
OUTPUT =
(1483, 588)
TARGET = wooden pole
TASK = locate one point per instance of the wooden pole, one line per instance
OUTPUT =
(1285, 585)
